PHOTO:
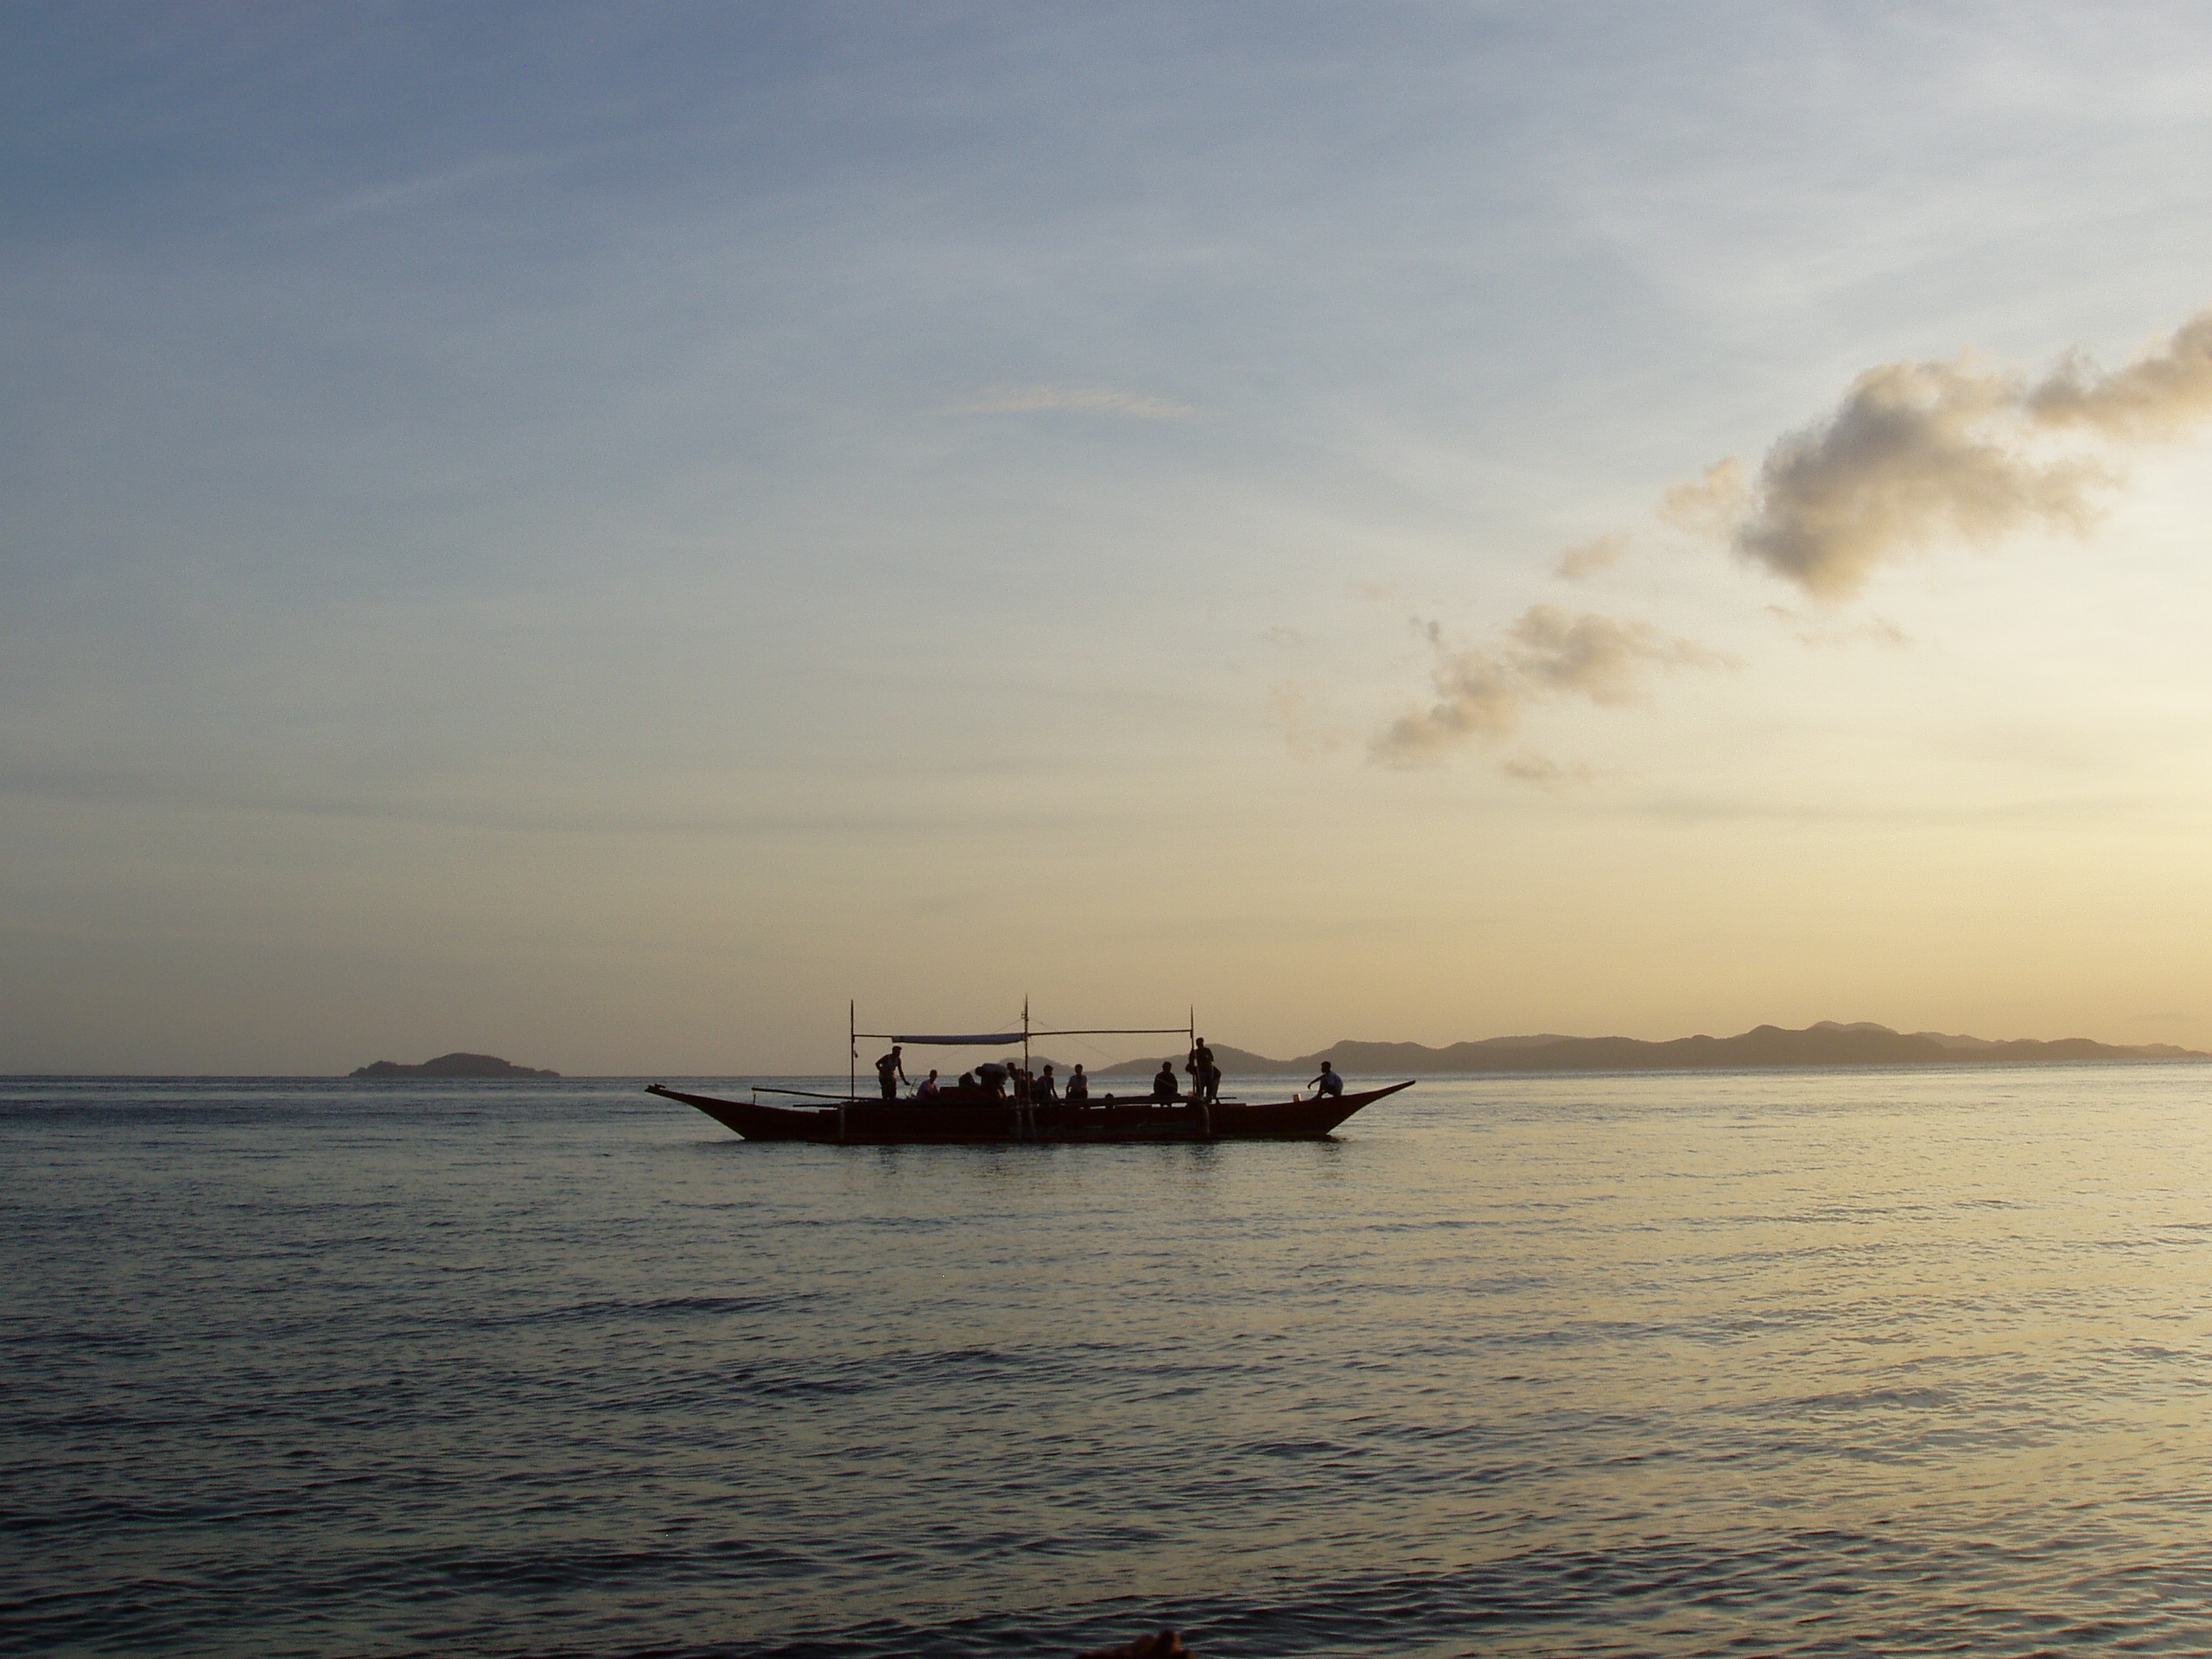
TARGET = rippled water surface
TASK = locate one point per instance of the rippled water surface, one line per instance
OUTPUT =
(1867, 1363)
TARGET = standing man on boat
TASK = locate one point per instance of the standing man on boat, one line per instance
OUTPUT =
(1206, 1074)
(891, 1071)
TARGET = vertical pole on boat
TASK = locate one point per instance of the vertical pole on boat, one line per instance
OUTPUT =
(1198, 1079)
(1025, 1033)
(852, 1053)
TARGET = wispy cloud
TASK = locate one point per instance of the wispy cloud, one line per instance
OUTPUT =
(1082, 400)
(1482, 692)
(1540, 772)
(1590, 556)
(425, 189)
(1918, 452)
(1710, 504)
(1817, 630)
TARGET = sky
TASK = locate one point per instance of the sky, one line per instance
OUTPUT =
(601, 533)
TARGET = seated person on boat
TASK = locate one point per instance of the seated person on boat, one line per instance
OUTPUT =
(1078, 1085)
(927, 1091)
(1329, 1082)
(1163, 1084)
(1041, 1090)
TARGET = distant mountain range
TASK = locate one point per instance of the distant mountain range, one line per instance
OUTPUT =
(1863, 1043)
(451, 1066)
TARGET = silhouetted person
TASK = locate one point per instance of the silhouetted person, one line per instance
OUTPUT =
(1209, 1074)
(891, 1071)
(992, 1077)
(927, 1091)
(1078, 1085)
(1042, 1089)
(1163, 1086)
(1328, 1083)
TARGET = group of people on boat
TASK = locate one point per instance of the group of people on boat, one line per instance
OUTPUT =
(1000, 1080)
(1205, 1079)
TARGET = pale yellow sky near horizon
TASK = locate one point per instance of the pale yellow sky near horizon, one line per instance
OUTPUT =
(716, 523)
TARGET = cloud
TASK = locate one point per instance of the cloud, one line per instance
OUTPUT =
(1591, 557)
(1711, 505)
(1918, 452)
(1083, 400)
(1482, 692)
(1543, 772)
(1818, 631)
(2154, 396)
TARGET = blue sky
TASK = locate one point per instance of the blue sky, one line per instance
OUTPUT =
(601, 531)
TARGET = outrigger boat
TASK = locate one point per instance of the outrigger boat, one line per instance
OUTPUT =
(959, 1117)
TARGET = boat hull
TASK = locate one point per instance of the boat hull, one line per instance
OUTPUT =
(906, 1122)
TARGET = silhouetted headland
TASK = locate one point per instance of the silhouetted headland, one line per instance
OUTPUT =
(453, 1065)
(1826, 1044)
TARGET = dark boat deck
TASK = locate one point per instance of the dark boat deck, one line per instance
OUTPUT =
(965, 1123)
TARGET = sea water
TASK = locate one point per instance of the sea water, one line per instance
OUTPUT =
(1865, 1362)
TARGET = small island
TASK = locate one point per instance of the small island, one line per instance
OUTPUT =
(452, 1066)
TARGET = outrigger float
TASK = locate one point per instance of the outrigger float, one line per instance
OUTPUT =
(973, 1117)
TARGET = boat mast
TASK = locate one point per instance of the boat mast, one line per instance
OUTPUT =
(1025, 1033)
(853, 1047)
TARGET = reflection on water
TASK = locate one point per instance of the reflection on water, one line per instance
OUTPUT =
(1831, 1363)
